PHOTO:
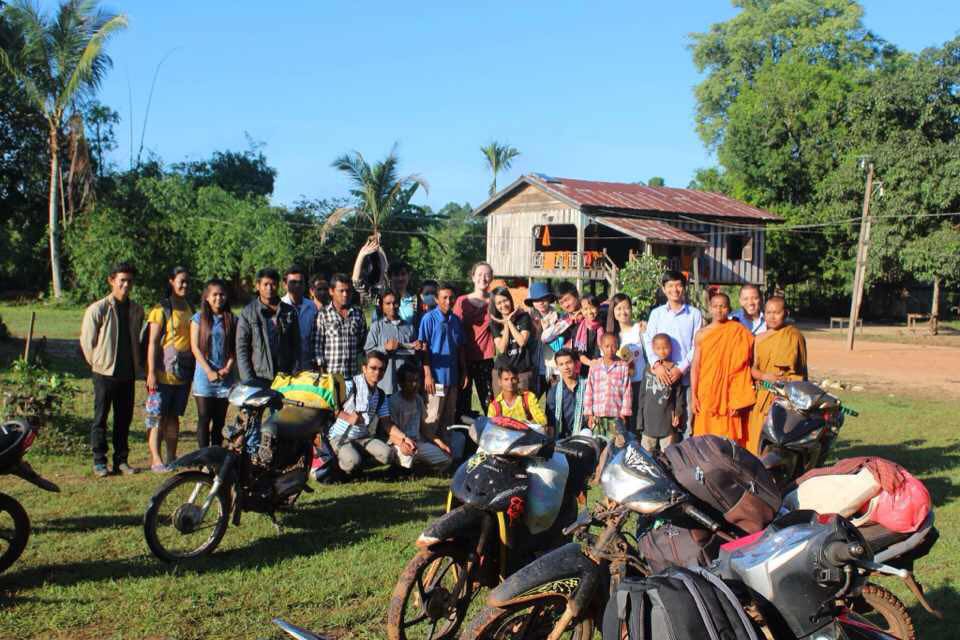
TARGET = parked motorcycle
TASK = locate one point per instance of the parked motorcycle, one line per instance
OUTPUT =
(800, 429)
(515, 494)
(16, 437)
(563, 593)
(262, 467)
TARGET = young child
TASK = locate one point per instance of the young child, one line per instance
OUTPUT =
(588, 334)
(409, 412)
(607, 401)
(662, 405)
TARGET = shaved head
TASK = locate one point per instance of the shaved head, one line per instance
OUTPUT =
(777, 302)
(720, 295)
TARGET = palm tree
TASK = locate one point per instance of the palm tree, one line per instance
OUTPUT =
(499, 158)
(379, 192)
(57, 62)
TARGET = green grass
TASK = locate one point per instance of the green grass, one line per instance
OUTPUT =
(87, 572)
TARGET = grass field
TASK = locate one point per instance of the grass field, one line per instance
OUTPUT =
(87, 572)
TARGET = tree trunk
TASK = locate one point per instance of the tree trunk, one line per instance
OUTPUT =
(54, 218)
(935, 307)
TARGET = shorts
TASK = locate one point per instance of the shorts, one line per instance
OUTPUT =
(173, 399)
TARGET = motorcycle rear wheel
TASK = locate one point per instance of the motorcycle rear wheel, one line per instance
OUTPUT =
(171, 524)
(14, 531)
(530, 620)
(882, 609)
(431, 597)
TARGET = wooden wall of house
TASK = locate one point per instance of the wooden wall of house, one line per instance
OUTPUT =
(721, 268)
(510, 243)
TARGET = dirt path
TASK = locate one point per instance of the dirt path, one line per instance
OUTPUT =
(877, 364)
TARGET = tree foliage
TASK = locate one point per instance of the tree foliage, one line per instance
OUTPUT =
(640, 279)
(499, 158)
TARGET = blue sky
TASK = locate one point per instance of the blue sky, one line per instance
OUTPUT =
(593, 90)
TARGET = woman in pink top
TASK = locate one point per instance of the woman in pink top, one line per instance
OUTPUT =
(473, 311)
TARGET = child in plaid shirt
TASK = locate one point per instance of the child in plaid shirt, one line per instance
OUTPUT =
(607, 401)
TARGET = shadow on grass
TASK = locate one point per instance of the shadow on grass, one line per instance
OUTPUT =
(83, 524)
(309, 529)
(947, 600)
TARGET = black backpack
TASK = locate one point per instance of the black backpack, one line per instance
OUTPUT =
(672, 546)
(679, 604)
(728, 478)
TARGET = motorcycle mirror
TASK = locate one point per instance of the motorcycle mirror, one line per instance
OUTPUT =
(295, 631)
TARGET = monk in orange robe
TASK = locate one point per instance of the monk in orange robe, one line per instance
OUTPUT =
(779, 355)
(721, 386)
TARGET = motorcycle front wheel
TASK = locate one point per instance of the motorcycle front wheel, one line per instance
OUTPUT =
(176, 525)
(14, 531)
(431, 597)
(885, 611)
(530, 620)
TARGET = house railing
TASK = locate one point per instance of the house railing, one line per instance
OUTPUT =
(567, 260)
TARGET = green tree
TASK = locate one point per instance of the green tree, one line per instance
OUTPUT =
(56, 62)
(499, 158)
(379, 192)
(639, 278)
(827, 33)
(241, 173)
(935, 258)
(656, 181)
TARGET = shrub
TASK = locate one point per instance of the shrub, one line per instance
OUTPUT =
(41, 398)
(640, 279)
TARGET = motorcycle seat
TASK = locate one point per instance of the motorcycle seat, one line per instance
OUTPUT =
(887, 544)
(301, 423)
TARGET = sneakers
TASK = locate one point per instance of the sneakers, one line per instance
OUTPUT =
(100, 470)
(124, 469)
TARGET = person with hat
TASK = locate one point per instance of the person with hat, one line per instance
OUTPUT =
(539, 302)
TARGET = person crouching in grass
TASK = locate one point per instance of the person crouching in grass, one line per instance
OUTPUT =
(421, 446)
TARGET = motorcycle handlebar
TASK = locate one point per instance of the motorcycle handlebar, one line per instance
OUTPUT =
(841, 553)
(567, 451)
(701, 517)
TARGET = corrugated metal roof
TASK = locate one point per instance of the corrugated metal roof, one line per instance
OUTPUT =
(635, 197)
(651, 230)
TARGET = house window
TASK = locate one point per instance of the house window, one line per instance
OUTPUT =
(740, 248)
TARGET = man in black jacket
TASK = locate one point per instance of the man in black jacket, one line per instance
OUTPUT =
(268, 334)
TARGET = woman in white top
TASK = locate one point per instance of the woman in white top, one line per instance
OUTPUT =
(620, 322)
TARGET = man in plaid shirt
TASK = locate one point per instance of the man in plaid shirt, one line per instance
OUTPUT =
(341, 331)
(607, 401)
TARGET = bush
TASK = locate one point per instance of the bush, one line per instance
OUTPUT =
(640, 279)
(41, 398)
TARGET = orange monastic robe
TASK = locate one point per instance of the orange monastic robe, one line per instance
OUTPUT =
(724, 387)
(783, 352)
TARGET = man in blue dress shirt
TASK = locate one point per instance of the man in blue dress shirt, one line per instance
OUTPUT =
(681, 322)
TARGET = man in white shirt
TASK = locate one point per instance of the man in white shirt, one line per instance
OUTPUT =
(296, 283)
(681, 322)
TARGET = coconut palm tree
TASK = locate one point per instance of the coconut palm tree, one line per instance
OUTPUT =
(378, 190)
(57, 61)
(499, 158)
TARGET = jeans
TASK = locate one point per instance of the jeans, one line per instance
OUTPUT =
(110, 393)
(479, 374)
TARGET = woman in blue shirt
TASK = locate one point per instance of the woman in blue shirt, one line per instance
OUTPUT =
(212, 339)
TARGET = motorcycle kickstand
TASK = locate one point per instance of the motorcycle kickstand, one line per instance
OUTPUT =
(917, 590)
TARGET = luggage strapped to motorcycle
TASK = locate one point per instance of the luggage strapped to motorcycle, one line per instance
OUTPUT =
(679, 604)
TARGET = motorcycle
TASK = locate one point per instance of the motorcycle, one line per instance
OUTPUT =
(298, 633)
(563, 593)
(799, 430)
(515, 495)
(263, 467)
(16, 437)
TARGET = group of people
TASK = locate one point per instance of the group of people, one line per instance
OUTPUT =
(559, 359)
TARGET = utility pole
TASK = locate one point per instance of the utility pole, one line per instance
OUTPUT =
(863, 249)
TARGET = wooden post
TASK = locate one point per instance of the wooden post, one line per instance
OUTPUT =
(860, 272)
(26, 348)
(580, 245)
(935, 307)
